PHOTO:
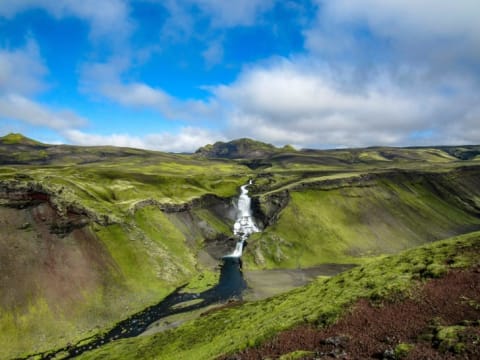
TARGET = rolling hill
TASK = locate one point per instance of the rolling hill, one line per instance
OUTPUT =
(92, 235)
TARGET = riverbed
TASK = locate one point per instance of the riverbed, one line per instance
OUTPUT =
(262, 284)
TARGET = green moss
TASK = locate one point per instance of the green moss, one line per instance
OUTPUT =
(449, 338)
(150, 253)
(218, 224)
(435, 270)
(320, 303)
(202, 281)
(402, 350)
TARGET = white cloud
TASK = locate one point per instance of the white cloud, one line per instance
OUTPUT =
(22, 70)
(188, 139)
(430, 32)
(107, 17)
(21, 75)
(105, 79)
(17, 107)
(137, 94)
(418, 75)
(376, 72)
(316, 105)
(78, 137)
(402, 19)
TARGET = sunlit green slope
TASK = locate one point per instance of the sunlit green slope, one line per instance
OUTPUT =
(344, 219)
(83, 246)
(320, 303)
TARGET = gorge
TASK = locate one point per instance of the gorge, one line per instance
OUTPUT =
(99, 242)
(229, 288)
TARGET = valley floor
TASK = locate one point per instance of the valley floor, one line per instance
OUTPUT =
(265, 283)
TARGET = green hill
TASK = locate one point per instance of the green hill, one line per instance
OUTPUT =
(18, 139)
(238, 149)
(344, 219)
(92, 235)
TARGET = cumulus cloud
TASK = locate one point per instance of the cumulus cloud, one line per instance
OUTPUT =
(373, 73)
(187, 139)
(437, 34)
(402, 19)
(314, 105)
(20, 108)
(143, 95)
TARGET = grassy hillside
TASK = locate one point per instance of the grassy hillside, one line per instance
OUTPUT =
(320, 303)
(94, 234)
(344, 219)
(238, 149)
(84, 246)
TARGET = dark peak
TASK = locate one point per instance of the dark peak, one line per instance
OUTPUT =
(237, 149)
(17, 139)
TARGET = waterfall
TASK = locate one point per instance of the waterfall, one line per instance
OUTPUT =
(244, 225)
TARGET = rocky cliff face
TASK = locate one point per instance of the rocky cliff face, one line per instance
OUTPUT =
(46, 251)
(267, 208)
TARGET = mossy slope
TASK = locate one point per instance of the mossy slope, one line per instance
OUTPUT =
(320, 303)
(84, 247)
(140, 234)
(346, 219)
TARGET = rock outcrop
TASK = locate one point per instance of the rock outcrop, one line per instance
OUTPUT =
(267, 208)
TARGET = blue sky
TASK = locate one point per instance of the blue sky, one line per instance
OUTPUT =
(175, 75)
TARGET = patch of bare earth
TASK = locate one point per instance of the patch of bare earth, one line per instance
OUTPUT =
(43, 255)
(374, 331)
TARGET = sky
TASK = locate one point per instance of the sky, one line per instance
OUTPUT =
(173, 75)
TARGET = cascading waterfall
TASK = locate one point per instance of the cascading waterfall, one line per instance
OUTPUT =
(230, 285)
(244, 225)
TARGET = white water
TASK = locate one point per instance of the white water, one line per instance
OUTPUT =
(244, 225)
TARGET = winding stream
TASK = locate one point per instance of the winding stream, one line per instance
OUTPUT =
(230, 285)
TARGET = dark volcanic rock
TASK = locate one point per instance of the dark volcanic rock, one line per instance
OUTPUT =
(266, 209)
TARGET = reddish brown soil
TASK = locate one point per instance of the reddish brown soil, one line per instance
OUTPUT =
(370, 331)
(57, 265)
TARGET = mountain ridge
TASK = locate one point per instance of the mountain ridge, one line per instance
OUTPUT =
(244, 148)
(237, 149)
